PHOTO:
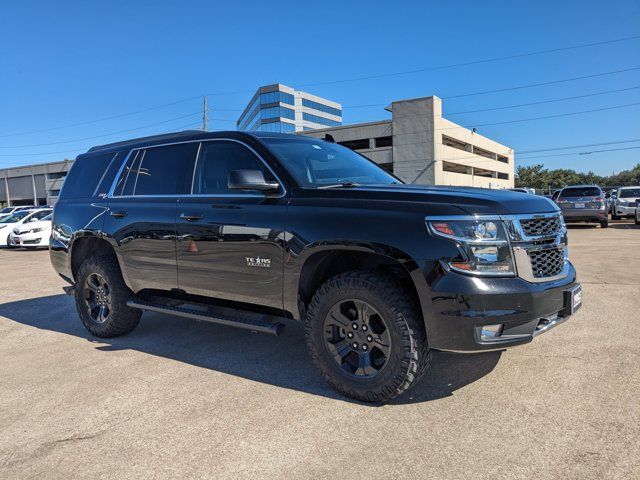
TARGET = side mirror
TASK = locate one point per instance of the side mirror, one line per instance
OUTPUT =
(250, 180)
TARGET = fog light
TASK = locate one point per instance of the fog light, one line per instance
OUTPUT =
(489, 332)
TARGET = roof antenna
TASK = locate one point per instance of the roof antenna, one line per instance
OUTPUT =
(329, 138)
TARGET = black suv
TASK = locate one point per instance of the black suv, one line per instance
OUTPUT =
(250, 229)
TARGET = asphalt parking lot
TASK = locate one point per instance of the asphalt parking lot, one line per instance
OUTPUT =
(177, 398)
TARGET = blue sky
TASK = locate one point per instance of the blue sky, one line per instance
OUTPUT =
(71, 62)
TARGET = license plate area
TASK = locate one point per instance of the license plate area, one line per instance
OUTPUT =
(578, 205)
(572, 300)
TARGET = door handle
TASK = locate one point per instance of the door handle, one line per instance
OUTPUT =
(118, 214)
(190, 217)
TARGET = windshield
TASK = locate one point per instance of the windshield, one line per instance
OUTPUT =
(580, 192)
(317, 163)
(16, 217)
(630, 192)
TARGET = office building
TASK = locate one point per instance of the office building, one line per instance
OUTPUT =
(278, 108)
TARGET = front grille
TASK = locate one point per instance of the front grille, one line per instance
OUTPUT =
(547, 262)
(534, 227)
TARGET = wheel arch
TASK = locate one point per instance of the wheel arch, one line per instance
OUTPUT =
(322, 262)
(86, 246)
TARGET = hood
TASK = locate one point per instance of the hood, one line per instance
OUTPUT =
(474, 201)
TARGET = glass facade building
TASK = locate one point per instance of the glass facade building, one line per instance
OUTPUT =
(279, 108)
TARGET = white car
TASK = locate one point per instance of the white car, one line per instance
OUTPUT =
(32, 234)
(6, 211)
(625, 203)
(18, 219)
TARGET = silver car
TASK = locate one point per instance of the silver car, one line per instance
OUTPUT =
(625, 202)
(583, 203)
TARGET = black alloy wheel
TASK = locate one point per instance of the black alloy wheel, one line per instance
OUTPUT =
(97, 298)
(357, 338)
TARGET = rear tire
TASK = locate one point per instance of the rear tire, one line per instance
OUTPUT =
(376, 314)
(101, 298)
(614, 216)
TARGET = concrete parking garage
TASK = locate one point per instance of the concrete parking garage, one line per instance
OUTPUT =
(177, 398)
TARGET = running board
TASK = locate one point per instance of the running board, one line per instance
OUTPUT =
(257, 322)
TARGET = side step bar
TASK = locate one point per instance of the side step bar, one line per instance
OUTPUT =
(231, 317)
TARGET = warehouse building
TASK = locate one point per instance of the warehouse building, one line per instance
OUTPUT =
(420, 146)
(279, 108)
(33, 184)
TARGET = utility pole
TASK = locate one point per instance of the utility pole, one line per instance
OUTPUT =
(204, 114)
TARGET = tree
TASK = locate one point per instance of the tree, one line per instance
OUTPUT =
(536, 176)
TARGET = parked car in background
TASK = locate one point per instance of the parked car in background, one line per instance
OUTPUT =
(554, 195)
(32, 234)
(6, 211)
(16, 219)
(583, 203)
(625, 202)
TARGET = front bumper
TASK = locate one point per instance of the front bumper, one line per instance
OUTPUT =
(625, 211)
(461, 305)
(27, 240)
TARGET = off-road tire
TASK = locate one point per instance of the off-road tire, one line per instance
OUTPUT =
(604, 224)
(121, 319)
(410, 356)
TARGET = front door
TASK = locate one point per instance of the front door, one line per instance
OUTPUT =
(230, 243)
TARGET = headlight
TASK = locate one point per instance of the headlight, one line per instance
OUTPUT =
(483, 244)
(36, 230)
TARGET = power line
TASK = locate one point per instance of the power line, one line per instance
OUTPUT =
(520, 120)
(515, 106)
(516, 87)
(112, 133)
(183, 127)
(580, 153)
(580, 146)
(237, 92)
(473, 62)
(547, 101)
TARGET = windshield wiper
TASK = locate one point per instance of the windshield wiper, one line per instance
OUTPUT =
(341, 185)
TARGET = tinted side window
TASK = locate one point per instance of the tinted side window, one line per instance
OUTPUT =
(162, 169)
(85, 174)
(216, 161)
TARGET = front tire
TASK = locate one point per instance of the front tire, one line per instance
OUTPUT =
(101, 298)
(604, 224)
(366, 335)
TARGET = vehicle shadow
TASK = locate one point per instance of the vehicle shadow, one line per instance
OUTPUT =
(281, 361)
(625, 226)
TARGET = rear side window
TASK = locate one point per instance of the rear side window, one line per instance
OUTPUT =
(580, 192)
(216, 161)
(157, 170)
(85, 174)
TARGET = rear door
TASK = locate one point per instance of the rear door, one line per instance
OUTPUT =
(142, 210)
(230, 243)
